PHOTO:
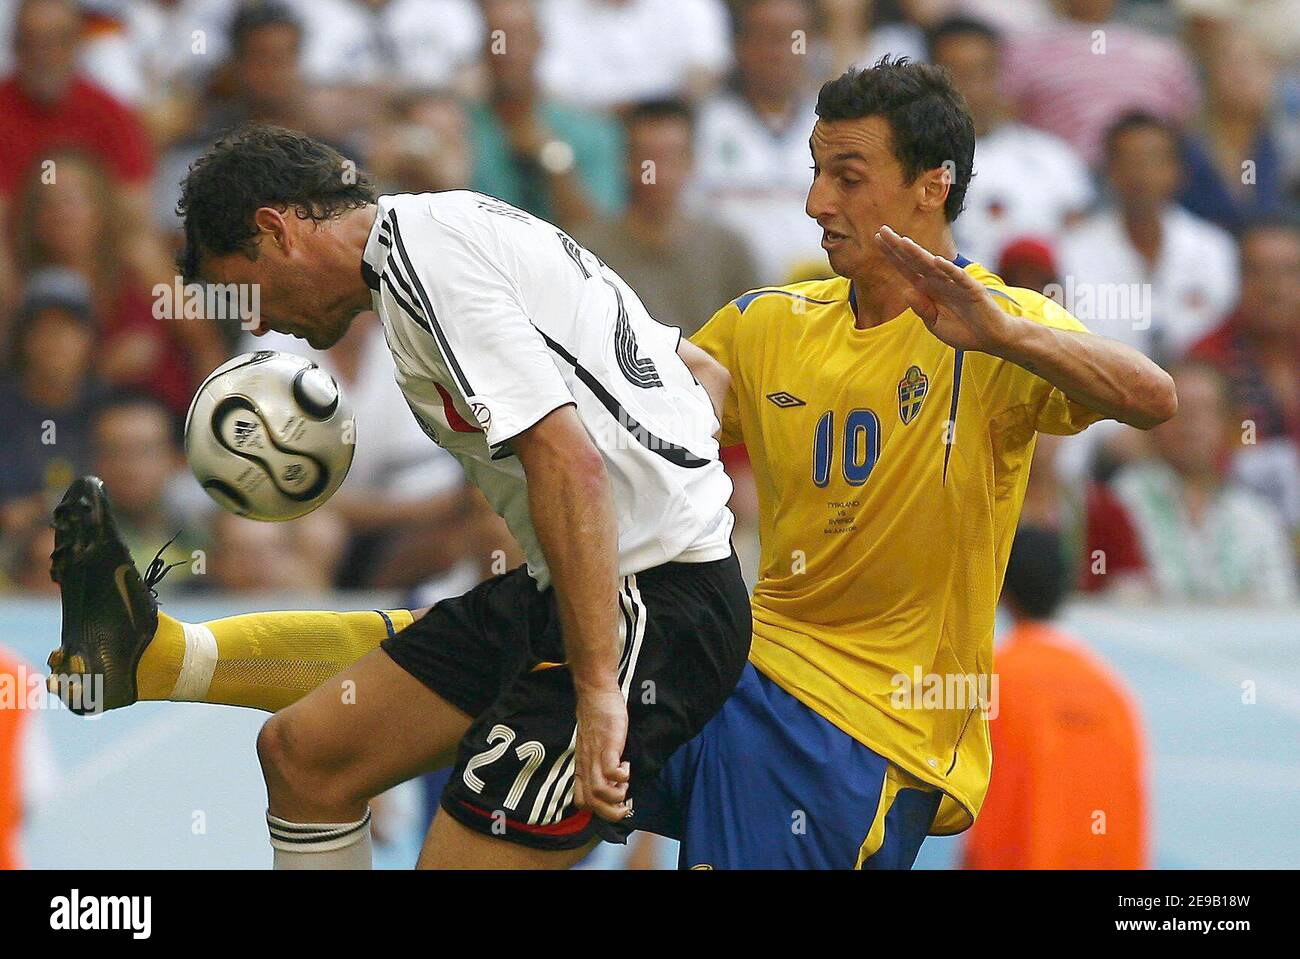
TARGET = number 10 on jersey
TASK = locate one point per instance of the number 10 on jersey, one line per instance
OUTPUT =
(860, 447)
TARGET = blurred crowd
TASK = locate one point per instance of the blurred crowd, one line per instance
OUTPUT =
(1139, 161)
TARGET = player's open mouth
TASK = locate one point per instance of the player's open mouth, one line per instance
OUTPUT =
(830, 238)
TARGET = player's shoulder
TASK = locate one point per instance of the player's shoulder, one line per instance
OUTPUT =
(451, 208)
(1023, 302)
(791, 300)
(409, 211)
(759, 314)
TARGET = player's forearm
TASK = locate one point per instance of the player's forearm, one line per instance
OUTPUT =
(1102, 374)
(572, 508)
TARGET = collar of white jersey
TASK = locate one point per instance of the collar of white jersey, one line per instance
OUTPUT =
(378, 244)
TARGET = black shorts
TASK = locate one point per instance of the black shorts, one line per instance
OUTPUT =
(497, 654)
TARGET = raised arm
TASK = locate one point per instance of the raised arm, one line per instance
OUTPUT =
(572, 508)
(1104, 375)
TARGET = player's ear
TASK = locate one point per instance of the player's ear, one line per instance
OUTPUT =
(273, 225)
(933, 186)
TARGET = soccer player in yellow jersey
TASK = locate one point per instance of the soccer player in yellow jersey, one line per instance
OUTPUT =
(890, 415)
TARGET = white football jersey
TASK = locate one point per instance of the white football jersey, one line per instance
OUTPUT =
(494, 319)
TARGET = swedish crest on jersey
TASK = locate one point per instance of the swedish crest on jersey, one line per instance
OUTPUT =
(912, 389)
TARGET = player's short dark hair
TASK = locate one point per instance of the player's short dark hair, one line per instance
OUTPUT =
(925, 112)
(259, 166)
(259, 15)
(1038, 578)
(664, 108)
(960, 26)
(1139, 120)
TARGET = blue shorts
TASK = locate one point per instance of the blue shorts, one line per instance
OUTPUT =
(770, 784)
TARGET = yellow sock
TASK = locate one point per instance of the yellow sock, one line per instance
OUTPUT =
(260, 660)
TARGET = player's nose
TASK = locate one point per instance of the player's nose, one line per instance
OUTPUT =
(817, 205)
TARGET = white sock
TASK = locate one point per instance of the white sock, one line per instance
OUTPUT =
(298, 845)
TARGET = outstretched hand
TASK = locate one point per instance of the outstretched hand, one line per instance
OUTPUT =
(954, 306)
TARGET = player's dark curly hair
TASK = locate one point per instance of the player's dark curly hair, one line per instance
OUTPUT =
(926, 114)
(261, 166)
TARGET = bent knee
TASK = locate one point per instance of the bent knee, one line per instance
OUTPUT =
(298, 764)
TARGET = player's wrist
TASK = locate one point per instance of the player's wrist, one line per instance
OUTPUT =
(1014, 339)
(595, 685)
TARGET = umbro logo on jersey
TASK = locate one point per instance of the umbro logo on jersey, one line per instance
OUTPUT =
(785, 400)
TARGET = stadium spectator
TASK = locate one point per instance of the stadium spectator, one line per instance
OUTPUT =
(1076, 76)
(1004, 15)
(422, 144)
(1111, 560)
(479, 547)
(604, 54)
(1028, 262)
(1027, 182)
(860, 32)
(26, 775)
(1069, 783)
(752, 142)
(1233, 160)
(156, 56)
(25, 554)
(246, 556)
(555, 160)
(75, 221)
(1143, 270)
(47, 104)
(263, 81)
(1257, 349)
(48, 395)
(682, 266)
(1203, 536)
(143, 50)
(137, 455)
(379, 44)
(1270, 23)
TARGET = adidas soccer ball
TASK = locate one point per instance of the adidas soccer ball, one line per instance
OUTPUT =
(270, 435)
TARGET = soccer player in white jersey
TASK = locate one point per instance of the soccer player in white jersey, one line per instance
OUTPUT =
(558, 689)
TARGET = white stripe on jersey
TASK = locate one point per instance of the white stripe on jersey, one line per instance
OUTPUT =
(495, 319)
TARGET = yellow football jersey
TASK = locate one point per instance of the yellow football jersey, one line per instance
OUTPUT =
(890, 469)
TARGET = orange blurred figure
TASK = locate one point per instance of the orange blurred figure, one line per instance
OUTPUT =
(1068, 789)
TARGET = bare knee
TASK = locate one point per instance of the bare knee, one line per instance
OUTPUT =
(303, 779)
